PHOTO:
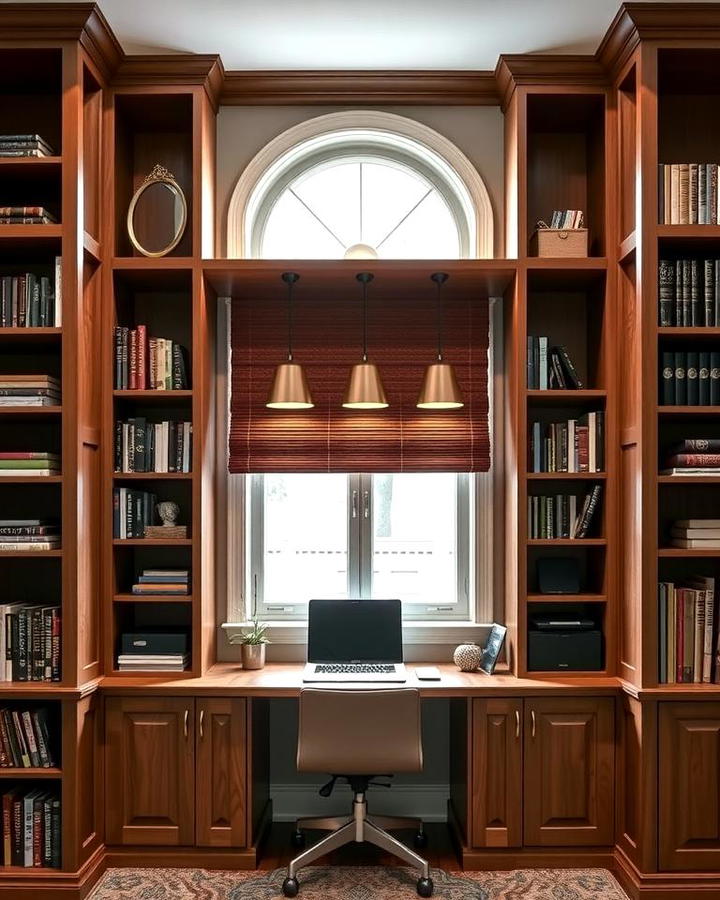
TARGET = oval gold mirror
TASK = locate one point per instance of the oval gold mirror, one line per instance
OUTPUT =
(157, 214)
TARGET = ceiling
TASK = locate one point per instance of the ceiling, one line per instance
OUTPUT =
(364, 34)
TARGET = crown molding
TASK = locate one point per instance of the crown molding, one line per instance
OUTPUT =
(205, 70)
(331, 87)
(514, 70)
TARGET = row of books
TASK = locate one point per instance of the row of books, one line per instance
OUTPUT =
(549, 367)
(30, 642)
(153, 662)
(31, 300)
(133, 511)
(695, 534)
(26, 215)
(13, 145)
(26, 464)
(688, 645)
(29, 534)
(31, 827)
(689, 292)
(693, 456)
(158, 582)
(688, 194)
(143, 363)
(690, 378)
(565, 219)
(25, 739)
(142, 446)
(557, 516)
(572, 446)
(29, 390)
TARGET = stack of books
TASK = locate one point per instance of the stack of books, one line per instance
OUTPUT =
(26, 215)
(695, 534)
(572, 446)
(143, 363)
(688, 194)
(153, 662)
(689, 293)
(688, 640)
(565, 219)
(29, 534)
(24, 145)
(25, 739)
(695, 456)
(549, 368)
(155, 582)
(153, 652)
(133, 511)
(31, 300)
(28, 463)
(142, 446)
(690, 378)
(31, 827)
(30, 642)
(557, 516)
(29, 390)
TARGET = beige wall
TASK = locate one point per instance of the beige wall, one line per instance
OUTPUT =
(243, 131)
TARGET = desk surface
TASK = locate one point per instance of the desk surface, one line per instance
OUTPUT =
(285, 680)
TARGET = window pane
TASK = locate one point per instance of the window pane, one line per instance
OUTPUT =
(305, 547)
(414, 553)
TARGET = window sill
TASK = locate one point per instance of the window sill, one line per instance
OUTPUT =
(427, 633)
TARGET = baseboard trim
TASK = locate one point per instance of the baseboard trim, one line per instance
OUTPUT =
(664, 885)
(55, 885)
(425, 801)
(518, 858)
(181, 858)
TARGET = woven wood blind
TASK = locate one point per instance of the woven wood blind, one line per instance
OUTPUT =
(327, 342)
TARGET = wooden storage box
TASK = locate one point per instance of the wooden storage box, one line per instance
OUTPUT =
(559, 243)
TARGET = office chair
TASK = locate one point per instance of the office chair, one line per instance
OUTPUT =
(356, 735)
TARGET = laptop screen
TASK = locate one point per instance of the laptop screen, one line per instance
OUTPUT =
(368, 631)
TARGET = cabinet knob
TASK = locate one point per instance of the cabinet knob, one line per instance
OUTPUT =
(185, 723)
(517, 724)
(532, 720)
(202, 722)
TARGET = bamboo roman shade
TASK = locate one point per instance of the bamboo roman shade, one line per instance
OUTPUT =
(327, 334)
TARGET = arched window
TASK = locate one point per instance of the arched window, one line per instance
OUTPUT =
(360, 185)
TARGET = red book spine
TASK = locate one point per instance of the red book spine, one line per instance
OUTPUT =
(133, 360)
(37, 834)
(142, 381)
(695, 460)
(5, 759)
(7, 815)
(582, 439)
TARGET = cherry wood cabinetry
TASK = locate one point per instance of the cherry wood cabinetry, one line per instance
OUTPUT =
(689, 786)
(569, 771)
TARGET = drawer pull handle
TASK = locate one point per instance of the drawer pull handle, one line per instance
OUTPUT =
(185, 723)
(202, 721)
(517, 724)
(532, 719)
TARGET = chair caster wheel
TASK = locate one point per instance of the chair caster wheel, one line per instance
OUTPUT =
(424, 887)
(290, 888)
(298, 839)
(420, 840)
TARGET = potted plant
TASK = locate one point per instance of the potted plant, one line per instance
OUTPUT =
(252, 645)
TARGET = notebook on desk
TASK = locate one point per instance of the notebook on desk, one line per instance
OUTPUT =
(354, 640)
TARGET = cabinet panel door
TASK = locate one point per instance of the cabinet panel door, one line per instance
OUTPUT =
(497, 773)
(569, 771)
(221, 773)
(150, 771)
(689, 786)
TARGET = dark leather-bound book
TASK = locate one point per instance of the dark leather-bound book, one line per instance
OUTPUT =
(667, 377)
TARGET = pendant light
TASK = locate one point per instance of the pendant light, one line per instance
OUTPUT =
(440, 388)
(289, 387)
(365, 389)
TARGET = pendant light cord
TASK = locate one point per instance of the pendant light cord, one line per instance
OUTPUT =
(439, 278)
(365, 278)
(290, 278)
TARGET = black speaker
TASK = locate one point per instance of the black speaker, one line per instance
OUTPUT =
(558, 575)
(565, 647)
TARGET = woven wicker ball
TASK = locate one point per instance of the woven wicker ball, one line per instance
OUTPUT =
(467, 657)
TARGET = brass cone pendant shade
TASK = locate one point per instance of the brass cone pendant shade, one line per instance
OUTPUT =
(289, 389)
(440, 388)
(365, 389)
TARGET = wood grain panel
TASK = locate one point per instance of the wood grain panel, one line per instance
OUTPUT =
(497, 773)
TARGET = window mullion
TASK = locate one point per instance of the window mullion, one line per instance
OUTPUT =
(354, 524)
(366, 536)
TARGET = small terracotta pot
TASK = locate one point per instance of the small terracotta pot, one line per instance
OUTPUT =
(253, 656)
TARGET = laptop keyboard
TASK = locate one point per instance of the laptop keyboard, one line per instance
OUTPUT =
(354, 669)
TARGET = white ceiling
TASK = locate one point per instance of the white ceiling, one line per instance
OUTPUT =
(359, 34)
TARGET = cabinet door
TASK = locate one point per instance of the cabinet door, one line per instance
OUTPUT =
(569, 771)
(149, 771)
(497, 773)
(689, 786)
(220, 785)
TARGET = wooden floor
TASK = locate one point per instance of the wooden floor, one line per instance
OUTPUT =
(278, 851)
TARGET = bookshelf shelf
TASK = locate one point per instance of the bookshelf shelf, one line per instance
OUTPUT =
(30, 411)
(152, 476)
(566, 476)
(566, 598)
(157, 598)
(688, 232)
(688, 410)
(689, 552)
(587, 395)
(153, 396)
(11, 772)
(151, 542)
(30, 232)
(149, 264)
(32, 554)
(566, 542)
(10, 164)
(30, 479)
(677, 480)
(30, 334)
(680, 332)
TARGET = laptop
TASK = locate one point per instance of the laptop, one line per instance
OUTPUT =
(355, 640)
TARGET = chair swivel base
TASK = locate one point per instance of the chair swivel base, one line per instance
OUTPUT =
(359, 827)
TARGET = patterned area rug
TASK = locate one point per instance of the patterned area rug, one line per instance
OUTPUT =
(357, 883)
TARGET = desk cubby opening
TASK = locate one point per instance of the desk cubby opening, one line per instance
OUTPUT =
(589, 561)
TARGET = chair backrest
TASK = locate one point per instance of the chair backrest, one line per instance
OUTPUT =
(355, 732)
